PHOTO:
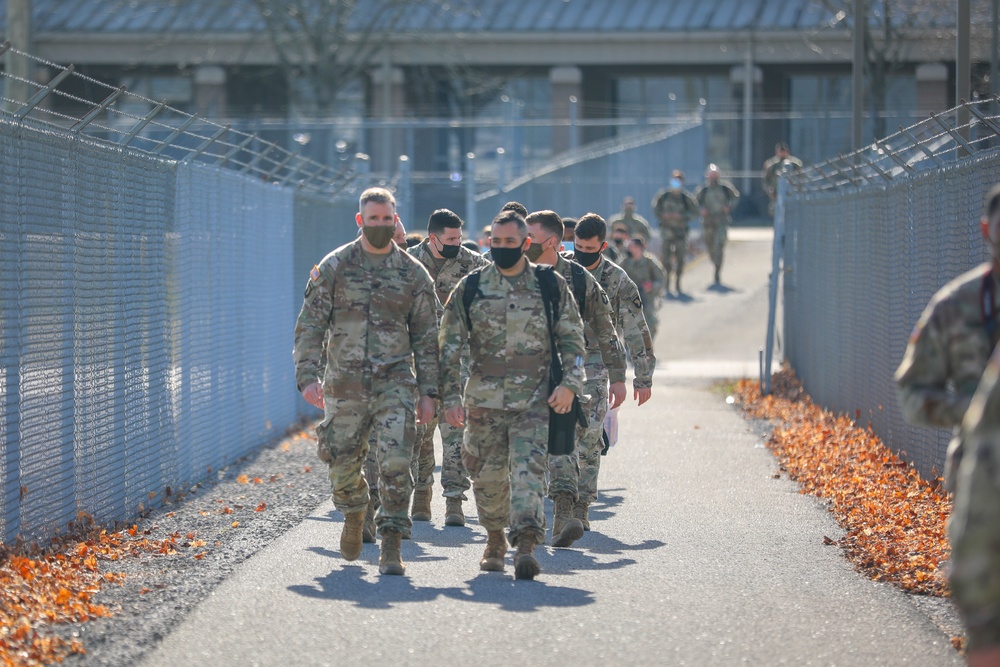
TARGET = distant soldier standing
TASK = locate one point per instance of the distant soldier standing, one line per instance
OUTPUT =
(717, 198)
(375, 307)
(447, 261)
(952, 342)
(973, 528)
(772, 169)
(636, 225)
(605, 361)
(617, 250)
(648, 275)
(627, 316)
(507, 399)
(675, 208)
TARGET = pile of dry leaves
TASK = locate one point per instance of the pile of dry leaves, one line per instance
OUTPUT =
(895, 520)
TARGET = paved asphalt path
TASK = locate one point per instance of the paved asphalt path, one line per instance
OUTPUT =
(698, 556)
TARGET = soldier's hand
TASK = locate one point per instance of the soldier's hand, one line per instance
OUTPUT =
(561, 399)
(425, 410)
(617, 395)
(642, 394)
(313, 393)
(455, 416)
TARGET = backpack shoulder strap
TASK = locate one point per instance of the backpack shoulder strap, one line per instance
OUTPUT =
(546, 277)
(469, 294)
(579, 286)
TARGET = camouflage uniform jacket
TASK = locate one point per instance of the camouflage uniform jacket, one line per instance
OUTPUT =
(451, 272)
(605, 356)
(668, 201)
(509, 344)
(973, 528)
(773, 167)
(646, 269)
(626, 312)
(637, 225)
(379, 324)
(715, 198)
(948, 351)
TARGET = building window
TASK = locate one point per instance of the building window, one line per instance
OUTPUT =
(820, 126)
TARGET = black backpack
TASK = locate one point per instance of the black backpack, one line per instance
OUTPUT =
(562, 427)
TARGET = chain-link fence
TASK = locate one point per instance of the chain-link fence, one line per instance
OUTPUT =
(151, 290)
(598, 177)
(870, 238)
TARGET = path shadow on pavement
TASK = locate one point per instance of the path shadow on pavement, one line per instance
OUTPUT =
(722, 288)
(350, 584)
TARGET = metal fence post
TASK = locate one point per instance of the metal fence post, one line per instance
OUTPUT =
(776, 257)
(471, 223)
(406, 190)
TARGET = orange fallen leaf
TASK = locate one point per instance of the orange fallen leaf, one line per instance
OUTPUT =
(236, 524)
(243, 479)
(261, 507)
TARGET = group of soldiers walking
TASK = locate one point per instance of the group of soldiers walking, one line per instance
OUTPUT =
(390, 343)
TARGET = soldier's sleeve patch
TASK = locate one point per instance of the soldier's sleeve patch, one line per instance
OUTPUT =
(314, 274)
(637, 302)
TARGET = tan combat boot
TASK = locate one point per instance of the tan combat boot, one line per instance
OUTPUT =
(525, 564)
(581, 511)
(566, 529)
(453, 514)
(496, 549)
(368, 531)
(421, 505)
(390, 560)
(350, 537)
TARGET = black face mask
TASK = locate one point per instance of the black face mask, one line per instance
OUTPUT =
(506, 258)
(586, 258)
(449, 251)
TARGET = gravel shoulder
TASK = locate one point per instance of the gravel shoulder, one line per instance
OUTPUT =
(160, 590)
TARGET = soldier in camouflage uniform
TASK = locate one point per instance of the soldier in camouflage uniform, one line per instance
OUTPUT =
(782, 159)
(636, 225)
(648, 275)
(617, 250)
(675, 208)
(447, 261)
(507, 398)
(973, 529)
(951, 344)
(375, 308)
(627, 316)
(605, 360)
(717, 198)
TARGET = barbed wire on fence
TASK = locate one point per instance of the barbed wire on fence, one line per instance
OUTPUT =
(164, 131)
(929, 143)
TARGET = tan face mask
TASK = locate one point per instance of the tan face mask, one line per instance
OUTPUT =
(380, 236)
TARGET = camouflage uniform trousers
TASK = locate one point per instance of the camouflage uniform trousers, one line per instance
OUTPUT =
(674, 249)
(454, 477)
(576, 473)
(345, 435)
(714, 234)
(504, 452)
(590, 441)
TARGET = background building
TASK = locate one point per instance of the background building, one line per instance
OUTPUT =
(516, 82)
